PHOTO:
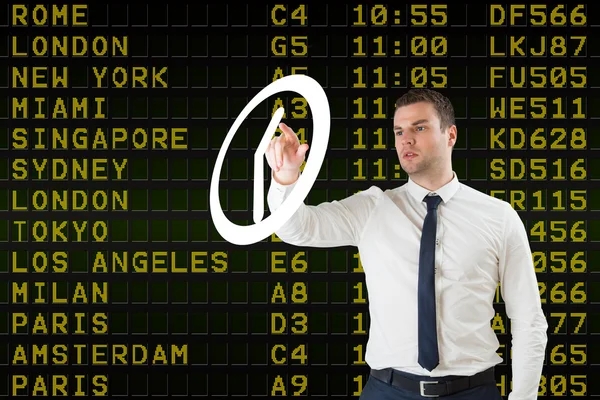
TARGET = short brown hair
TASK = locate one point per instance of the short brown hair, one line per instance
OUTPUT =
(441, 104)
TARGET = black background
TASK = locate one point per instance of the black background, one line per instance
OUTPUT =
(218, 57)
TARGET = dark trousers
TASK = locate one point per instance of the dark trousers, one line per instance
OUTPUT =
(376, 389)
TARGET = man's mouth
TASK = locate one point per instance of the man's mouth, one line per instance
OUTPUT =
(409, 155)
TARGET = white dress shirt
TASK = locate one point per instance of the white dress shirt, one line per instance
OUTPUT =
(481, 241)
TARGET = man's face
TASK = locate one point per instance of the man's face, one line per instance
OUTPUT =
(422, 147)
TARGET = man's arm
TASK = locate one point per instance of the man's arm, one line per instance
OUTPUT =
(519, 288)
(329, 224)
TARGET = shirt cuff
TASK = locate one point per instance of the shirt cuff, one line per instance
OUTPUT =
(278, 192)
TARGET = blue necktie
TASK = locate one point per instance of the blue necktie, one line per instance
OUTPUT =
(428, 344)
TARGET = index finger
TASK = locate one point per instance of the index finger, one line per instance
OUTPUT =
(286, 130)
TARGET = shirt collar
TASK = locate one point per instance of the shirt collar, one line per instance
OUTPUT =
(445, 192)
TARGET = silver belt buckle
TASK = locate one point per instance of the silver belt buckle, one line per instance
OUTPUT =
(422, 386)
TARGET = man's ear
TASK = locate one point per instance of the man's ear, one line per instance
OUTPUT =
(452, 135)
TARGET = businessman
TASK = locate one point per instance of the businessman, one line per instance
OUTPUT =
(433, 251)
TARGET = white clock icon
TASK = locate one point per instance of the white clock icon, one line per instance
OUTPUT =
(312, 91)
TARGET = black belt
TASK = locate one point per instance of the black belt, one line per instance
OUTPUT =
(435, 388)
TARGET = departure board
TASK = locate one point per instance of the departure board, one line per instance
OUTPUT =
(115, 281)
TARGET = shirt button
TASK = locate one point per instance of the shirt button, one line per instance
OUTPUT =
(437, 242)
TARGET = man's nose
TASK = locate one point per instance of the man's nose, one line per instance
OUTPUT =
(407, 139)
